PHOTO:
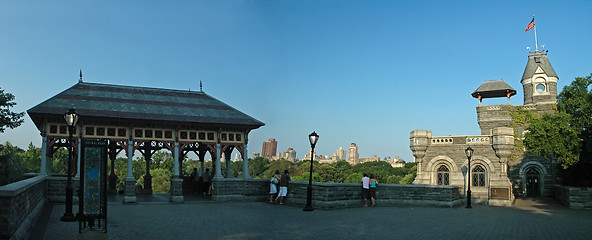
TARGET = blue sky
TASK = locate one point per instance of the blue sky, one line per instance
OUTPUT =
(367, 72)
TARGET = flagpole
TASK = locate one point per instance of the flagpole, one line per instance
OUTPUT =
(536, 43)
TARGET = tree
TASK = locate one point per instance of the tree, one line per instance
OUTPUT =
(161, 180)
(408, 179)
(306, 176)
(10, 164)
(354, 178)
(560, 135)
(59, 161)
(566, 136)
(258, 166)
(552, 137)
(395, 179)
(31, 159)
(8, 118)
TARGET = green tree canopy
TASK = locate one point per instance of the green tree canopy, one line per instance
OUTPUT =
(560, 135)
(553, 137)
(10, 164)
(8, 118)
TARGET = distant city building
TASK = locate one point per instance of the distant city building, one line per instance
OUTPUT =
(307, 156)
(278, 156)
(290, 155)
(269, 148)
(396, 162)
(372, 159)
(353, 158)
(339, 155)
(237, 158)
(256, 155)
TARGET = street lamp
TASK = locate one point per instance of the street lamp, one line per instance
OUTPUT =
(71, 117)
(313, 138)
(469, 152)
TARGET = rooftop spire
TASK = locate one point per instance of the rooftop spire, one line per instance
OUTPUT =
(80, 80)
(200, 86)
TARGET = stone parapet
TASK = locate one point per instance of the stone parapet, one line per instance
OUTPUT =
(176, 190)
(338, 195)
(56, 189)
(343, 195)
(240, 189)
(130, 190)
(574, 197)
(20, 205)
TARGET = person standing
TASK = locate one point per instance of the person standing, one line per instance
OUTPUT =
(207, 178)
(195, 179)
(365, 188)
(273, 185)
(284, 180)
(372, 190)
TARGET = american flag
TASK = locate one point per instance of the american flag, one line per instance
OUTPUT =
(530, 25)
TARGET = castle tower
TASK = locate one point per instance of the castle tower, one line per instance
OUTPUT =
(539, 80)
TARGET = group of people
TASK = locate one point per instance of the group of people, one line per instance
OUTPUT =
(203, 183)
(369, 189)
(280, 181)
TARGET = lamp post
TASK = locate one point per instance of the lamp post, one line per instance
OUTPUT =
(313, 138)
(469, 152)
(71, 117)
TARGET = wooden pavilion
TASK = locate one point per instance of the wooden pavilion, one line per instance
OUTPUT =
(147, 120)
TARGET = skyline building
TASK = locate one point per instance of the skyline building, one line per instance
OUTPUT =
(269, 148)
(290, 154)
(339, 155)
(353, 158)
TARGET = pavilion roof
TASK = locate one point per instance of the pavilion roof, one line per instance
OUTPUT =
(116, 102)
(493, 88)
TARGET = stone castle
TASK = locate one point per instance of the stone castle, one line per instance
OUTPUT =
(500, 169)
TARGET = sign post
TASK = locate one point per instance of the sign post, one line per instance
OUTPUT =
(92, 214)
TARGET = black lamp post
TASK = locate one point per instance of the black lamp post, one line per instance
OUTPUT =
(469, 152)
(71, 117)
(313, 138)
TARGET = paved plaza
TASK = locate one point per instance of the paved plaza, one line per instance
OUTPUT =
(205, 219)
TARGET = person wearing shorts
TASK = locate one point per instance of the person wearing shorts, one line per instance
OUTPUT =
(275, 180)
(365, 188)
(284, 180)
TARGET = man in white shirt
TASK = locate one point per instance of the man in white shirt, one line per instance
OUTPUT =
(365, 188)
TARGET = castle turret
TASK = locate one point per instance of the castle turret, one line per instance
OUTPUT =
(539, 80)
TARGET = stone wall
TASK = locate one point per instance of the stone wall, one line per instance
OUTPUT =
(343, 195)
(574, 197)
(56, 189)
(338, 195)
(240, 189)
(20, 205)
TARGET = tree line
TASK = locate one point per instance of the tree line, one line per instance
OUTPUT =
(564, 135)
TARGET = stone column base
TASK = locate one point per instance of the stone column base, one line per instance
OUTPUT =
(176, 190)
(130, 190)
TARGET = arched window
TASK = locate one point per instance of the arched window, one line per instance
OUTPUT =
(478, 176)
(443, 175)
